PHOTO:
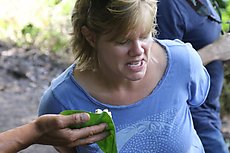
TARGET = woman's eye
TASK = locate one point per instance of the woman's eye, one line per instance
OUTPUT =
(144, 37)
(122, 41)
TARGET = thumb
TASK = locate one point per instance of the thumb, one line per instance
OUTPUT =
(74, 119)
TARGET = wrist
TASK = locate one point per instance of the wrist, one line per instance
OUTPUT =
(17, 139)
(29, 135)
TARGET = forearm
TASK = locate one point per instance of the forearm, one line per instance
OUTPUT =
(218, 50)
(18, 138)
(208, 54)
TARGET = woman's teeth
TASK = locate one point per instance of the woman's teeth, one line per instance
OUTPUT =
(137, 63)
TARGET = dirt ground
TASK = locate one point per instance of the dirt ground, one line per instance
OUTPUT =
(24, 75)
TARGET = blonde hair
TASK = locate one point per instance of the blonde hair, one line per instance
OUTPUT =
(107, 16)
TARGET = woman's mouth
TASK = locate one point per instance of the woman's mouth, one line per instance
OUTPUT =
(135, 63)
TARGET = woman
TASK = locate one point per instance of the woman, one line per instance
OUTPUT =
(147, 84)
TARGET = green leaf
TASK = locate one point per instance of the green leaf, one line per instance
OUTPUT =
(31, 30)
(107, 145)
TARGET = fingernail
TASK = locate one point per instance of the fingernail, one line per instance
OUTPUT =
(84, 116)
(106, 125)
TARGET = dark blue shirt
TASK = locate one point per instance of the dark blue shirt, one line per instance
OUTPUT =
(178, 20)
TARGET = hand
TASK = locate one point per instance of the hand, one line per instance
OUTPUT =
(54, 130)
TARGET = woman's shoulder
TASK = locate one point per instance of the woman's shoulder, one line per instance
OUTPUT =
(180, 52)
(64, 83)
(169, 42)
(64, 76)
(177, 46)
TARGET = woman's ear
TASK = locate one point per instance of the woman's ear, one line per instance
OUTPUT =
(89, 35)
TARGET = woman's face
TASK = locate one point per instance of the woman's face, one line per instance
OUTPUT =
(126, 57)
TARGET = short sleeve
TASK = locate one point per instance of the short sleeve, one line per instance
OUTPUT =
(199, 79)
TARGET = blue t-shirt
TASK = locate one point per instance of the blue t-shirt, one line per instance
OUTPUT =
(176, 19)
(160, 122)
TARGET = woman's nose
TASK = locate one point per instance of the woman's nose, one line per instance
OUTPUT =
(137, 48)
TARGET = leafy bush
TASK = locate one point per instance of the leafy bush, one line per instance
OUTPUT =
(225, 97)
(44, 24)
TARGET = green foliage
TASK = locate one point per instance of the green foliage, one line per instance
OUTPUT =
(225, 104)
(30, 33)
(226, 17)
(44, 24)
(107, 145)
(53, 2)
(221, 3)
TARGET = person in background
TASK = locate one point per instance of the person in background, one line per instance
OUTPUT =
(121, 67)
(51, 130)
(198, 23)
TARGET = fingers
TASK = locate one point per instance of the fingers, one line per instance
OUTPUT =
(74, 119)
(51, 121)
(74, 137)
(91, 130)
(91, 139)
(64, 121)
(54, 130)
(88, 134)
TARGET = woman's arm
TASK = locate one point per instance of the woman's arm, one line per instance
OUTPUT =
(51, 130)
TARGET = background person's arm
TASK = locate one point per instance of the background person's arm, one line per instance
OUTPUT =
(218, 50)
